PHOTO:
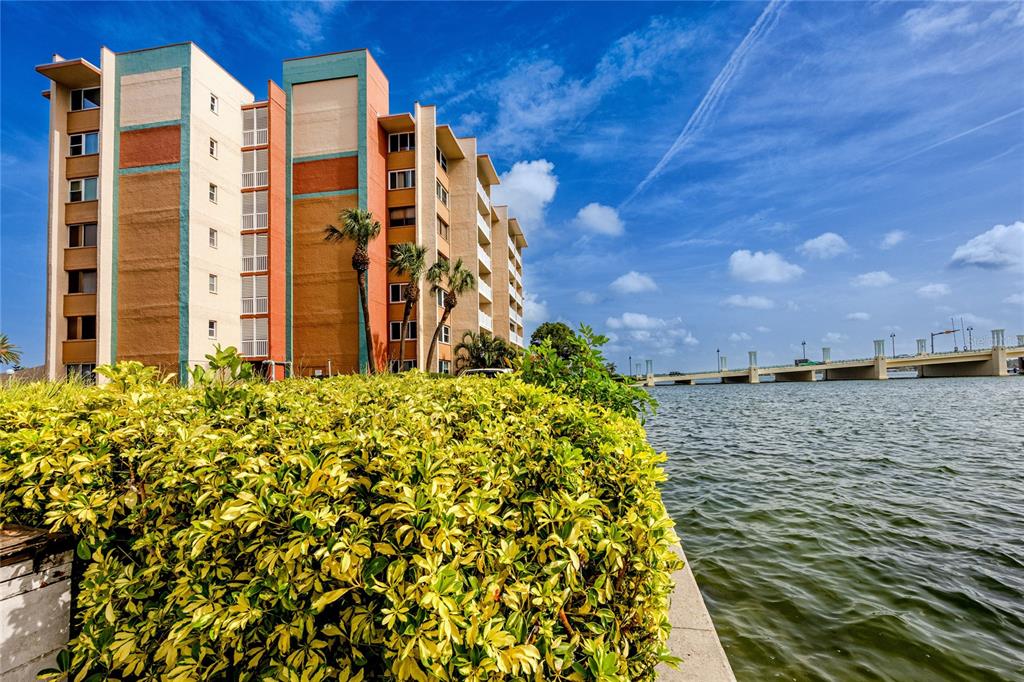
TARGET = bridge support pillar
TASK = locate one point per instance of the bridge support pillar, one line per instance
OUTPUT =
(877, 370)
(755, 378)
(649, 381)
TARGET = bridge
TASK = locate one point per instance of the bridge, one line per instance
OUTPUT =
(966, 363)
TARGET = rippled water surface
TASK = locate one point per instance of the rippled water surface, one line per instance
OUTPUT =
(854, 530)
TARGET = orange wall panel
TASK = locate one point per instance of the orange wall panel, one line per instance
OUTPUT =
(325, 175)
(376, 201)
(150, 146)
(276, 243)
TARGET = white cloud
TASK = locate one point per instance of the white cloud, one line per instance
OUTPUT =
(756, 302)
(892, 238)
(1000, 247)
(942, 19)
(833, 337)
(762, 330)
(762, 266)
(595, 217)
(528, 187)
(587, 297)
(878, 278)
(863, 317)
(308, 20)
(934, 290)
(739, 336)
(655, 334)
(828, 245)
(1015, 299)
(535, 311)
(639, 321)
(633, 282)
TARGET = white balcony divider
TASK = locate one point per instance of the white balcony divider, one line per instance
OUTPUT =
(253, 138)
(254, 263)
(254, 306)
(255, 347)
(485, 201)
(254, 179)
(485, 321)
(485, 259)
(485, 290)
(481, 222)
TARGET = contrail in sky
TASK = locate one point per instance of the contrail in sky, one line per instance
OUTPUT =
(709, 105)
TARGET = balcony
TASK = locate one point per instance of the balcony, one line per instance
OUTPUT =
(254, 179)
(80, 258)
(254, 263)
(485, 260)
(255, 348)
(254, 306)
(78, 351)
(515, 296)
(485, 228)
(254, 138)
(516, 276)
(514, 316)
(483, 201)
(515, 339)
(485, 321)
(254, 221)
(79, 304)
(485, 290)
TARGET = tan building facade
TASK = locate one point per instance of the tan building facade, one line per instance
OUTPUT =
(185, 214)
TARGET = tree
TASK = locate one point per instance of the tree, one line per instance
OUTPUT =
(9, 353)
(408, 260)
(483, 350)
(459, 280)
(563, 339)
(358, 227)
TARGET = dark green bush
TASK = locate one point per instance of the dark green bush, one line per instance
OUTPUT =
(394, 527)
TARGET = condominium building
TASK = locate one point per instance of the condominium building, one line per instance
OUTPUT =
(184, 213)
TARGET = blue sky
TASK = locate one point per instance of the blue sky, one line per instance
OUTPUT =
(691, 176)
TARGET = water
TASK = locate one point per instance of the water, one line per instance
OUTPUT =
(854, 530)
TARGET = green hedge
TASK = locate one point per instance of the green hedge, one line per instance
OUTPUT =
(353, 528)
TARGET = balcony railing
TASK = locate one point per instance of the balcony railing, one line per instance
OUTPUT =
(485, 229)
(254, 179)
(515, 338)
(254, 306)
(255, 348)
(516, 276)
(254, 221)
(485, 260)
(515, 296)
(485, 290)
(254, 263)
(485, 321)
(483, 200)
(514, 316)
(253, 138)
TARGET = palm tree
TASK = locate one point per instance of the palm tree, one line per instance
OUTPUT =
(482, 351)
(409, 260)
(359, 227)
(9, 353)
(459, 281)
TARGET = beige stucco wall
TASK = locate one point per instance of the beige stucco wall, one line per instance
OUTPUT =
(151, 97)
(463, 208)
(104, 236)
(499, 270)
(325, 117)
(427, 312)
(225, 171)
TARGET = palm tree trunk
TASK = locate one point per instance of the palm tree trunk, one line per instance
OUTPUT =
(370, 364)
(437, 334)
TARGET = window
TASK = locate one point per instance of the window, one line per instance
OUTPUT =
(396, 330)
(401, 179)
(211, 329)
(81, 144)
(442, 193)
(254, 168)
(401, 142)
(213, 238)
(254, 127)
(82, 235)
(214, 103)
(254, 294)
(83, 189)
(213, 148)
(406, 366)
(446, 334)
(83, 371)
(213, 284)
(213, 193)
(444, 367)
(440, 298)
(82, 282)
(82, 328)
(254, 252)
(442, 160)
(397, 293)
(86, 98)
(254, 210)
(401, 216)
(254, 337)
(442, 229)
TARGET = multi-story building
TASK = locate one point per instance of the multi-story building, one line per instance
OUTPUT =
(184, 213)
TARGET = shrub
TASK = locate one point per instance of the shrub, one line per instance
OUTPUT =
(352, 528)
(577, 368)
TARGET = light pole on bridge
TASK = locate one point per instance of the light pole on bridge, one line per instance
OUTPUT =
(718, 356)
(803, 350)
(892, 337)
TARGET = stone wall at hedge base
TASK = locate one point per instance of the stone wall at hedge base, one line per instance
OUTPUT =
(693, 637)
